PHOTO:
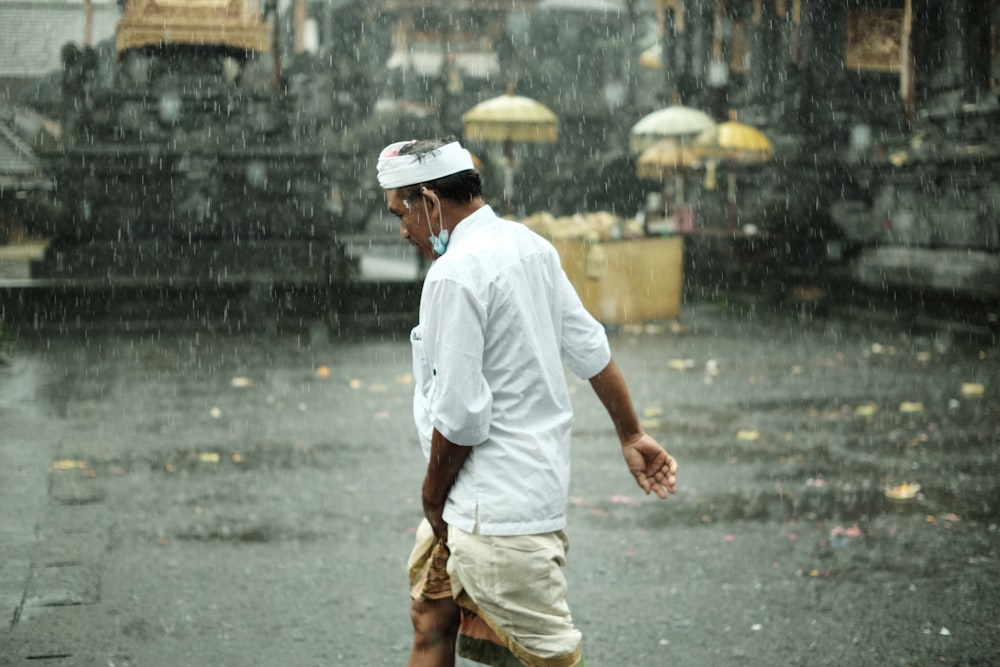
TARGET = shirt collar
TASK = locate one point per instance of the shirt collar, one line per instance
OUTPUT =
(466, 224)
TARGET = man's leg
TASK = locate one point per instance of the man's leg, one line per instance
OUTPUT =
(435, 631)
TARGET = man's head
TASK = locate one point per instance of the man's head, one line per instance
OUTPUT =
(443, 166)
(429, 184)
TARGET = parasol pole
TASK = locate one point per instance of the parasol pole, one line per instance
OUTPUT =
(907, 69)
(88, 23)
(730, 200)
(731, 187)
(508, 176)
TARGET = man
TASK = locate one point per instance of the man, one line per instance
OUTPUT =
(498, 321)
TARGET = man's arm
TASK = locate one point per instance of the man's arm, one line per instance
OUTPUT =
(446, 461)
(653, 468)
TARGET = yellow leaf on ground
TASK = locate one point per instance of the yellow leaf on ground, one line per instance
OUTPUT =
(69, 464)
(911, 406)
(747, 435)
(972, 389)
(904, 491)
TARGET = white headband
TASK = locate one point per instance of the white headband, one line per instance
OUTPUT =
(397, 171)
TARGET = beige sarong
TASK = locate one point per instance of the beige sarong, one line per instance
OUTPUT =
(511, 593)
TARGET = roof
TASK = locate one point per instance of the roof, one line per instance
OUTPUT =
(32, 34)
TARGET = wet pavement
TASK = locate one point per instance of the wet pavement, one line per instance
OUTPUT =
(189, 495)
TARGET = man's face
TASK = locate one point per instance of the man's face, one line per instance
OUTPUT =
(414, 225)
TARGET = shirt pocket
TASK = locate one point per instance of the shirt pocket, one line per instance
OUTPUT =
(422, 376)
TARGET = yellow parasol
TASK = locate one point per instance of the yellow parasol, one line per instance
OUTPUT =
(510, 118)
(735, 144)
(664, 158)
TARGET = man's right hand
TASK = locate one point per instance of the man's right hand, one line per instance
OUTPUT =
(653, 468)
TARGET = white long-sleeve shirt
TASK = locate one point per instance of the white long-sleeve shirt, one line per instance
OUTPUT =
(498, 321)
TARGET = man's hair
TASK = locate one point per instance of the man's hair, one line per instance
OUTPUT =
(463, 186)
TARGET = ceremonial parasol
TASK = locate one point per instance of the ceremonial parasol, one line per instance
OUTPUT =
(665, 157)
(676, 122)
(673, 121)
(510, 118)
(733, 143)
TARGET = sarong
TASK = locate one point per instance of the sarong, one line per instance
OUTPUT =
(480, 638)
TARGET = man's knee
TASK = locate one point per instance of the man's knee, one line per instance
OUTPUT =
(434, 619)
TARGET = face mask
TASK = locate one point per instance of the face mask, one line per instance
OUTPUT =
(439, 243)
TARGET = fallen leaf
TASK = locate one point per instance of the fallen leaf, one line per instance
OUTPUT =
(241, 382)
(747, 435)
(323, 372)
(652, 412)
(851, 531)
(356, 383)
(208, 457)
(215, 412)
(866, 410)
(680, 364)
(69, 464)
(904, 491)
(911, 406)
(972, 390)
